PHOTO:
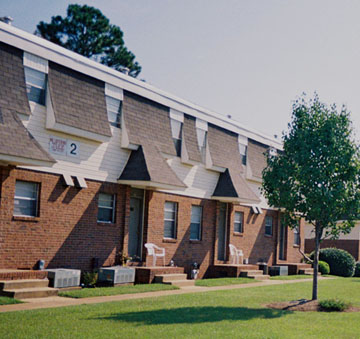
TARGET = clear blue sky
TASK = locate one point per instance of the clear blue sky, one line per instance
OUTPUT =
(248, 58)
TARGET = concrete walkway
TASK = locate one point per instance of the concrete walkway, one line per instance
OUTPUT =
(52, 302)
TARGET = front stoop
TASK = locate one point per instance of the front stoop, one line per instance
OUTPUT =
(254, 274)
(27, 288)
(178, 279)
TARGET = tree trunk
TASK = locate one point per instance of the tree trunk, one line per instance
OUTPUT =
(318, 232)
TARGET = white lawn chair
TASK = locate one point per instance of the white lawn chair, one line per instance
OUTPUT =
(151, 250)
(235, 255)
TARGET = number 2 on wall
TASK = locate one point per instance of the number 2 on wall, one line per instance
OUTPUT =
(73, 148)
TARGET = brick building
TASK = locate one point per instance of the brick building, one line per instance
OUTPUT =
(94, 162)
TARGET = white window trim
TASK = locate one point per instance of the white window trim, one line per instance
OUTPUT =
(201, 124)
(269, 217)
(200, 225)
(176, 115)
(239, 223)
(114, 92)
(174, 220)
(16, 197)
(107, 207)
(35, 62)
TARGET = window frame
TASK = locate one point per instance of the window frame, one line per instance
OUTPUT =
(198, 223)
(269, 217)
(174, 225)
(296, 232)
(177, 141)
(22, 198)
(29, 85)
(113, 207)
(241, 229)
(202, 148)
(117, 122)
(243, 150)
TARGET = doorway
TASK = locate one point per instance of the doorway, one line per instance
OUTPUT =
(136, 223)
(222, 232)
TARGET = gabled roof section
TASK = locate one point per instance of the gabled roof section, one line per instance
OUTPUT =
(256, 158)
(78, 100)
(190, 138)
(12, 80)
(147, 167)
(224, 152)
(17, 145)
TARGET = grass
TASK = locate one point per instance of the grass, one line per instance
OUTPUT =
(223, 281)
(8, 301)
(105, 291)
(237, 313)
(291, 277)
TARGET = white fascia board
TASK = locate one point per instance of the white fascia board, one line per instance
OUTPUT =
(45, 49)
(150, 184)
(114, 92)
(176, 115)
(22, 161)
(201, 124)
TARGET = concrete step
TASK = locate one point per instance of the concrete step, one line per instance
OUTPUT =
(24, 283)
(181, 283)
(259, 277)
(163, 278)
(24, 293)
(250, 272)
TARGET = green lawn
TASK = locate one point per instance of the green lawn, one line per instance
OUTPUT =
(223, 281)
(128, 289)
(238, 313)
(7, 301)
(291, 277)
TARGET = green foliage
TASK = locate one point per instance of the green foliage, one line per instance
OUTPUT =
(8, 301)
(357, 269)
(317, 174)
(223, 281)
(324, 267)
(341, 262)
(333, 305)
(85, 30)
(89, 278)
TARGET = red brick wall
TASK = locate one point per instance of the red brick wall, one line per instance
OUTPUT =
(352, 246)
(66, 232)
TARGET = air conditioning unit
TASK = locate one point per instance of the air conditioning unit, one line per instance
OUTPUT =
(63, 277)
(116, 275)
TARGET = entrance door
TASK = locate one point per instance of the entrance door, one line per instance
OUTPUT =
(282, 242)
(135, 224)
(222, 233)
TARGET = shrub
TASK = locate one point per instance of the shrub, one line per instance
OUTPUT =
(89, 278)
(341, 263)
(357, 269)
(324, 267)
(333, 305)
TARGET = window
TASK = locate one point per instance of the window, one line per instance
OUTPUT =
(170, 216)
(26, 199)
(106, 210)
(35, 85)
(201, 138)
(114, 107)
(268, 225)
(176, 131)
(195, 226)
(297, 235)
(239, 222)
(243, 153)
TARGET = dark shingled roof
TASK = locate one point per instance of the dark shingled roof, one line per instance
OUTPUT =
(256, 157)
(15, 140)
(224, 152)
(78, 100)
(148, 125)
(12, 80)
(190, 138)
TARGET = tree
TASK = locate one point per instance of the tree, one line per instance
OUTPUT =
(85, 30)
(316, 177)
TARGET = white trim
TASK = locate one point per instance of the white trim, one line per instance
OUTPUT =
(151, 184)
(43, 48)
(15, 160)
(114, 92)
(201, 124)
(233, 199)
(242, 140)
(81, 182)
(35, 62)
(68, 179)
(176, 115)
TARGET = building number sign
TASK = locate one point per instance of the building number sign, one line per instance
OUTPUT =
(64, 147)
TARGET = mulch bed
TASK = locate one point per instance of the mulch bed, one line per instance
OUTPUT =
(304, 305)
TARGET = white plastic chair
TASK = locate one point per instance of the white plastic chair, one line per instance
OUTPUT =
(151, 250)
(235, 255)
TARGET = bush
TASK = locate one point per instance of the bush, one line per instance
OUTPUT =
(89, 278)
(341, 263)
(357, 269)
(324, 267)
(333, 305)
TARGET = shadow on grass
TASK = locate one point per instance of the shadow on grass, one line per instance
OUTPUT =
(193, 315)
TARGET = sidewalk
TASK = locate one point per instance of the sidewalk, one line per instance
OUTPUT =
(52, 302)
